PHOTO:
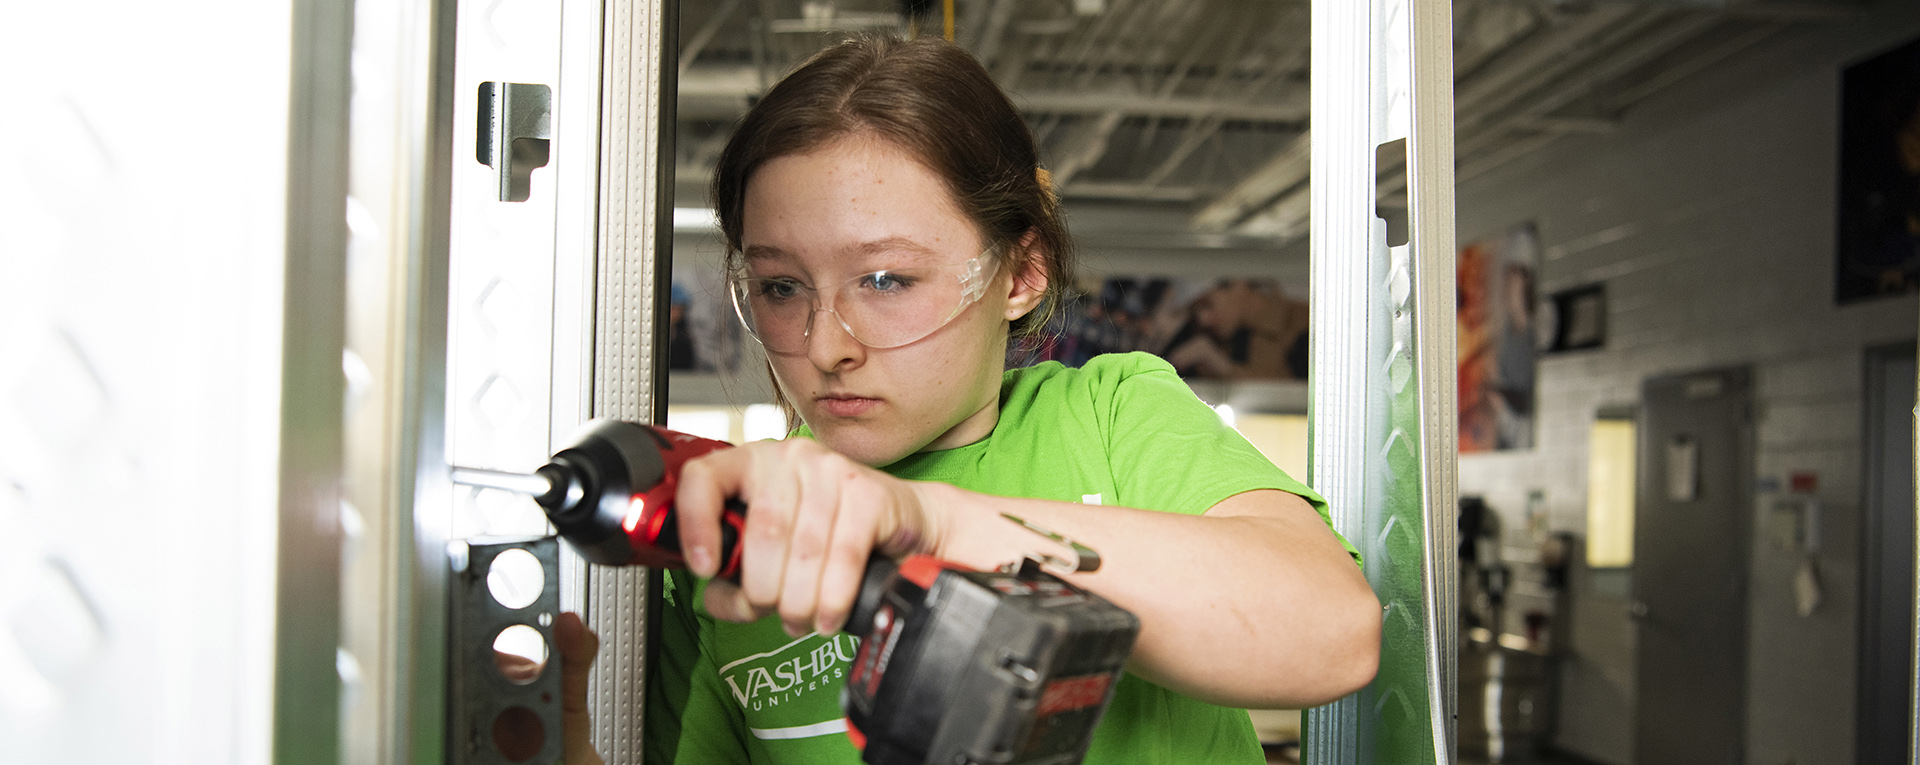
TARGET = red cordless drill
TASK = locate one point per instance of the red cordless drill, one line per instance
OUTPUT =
(955, 666)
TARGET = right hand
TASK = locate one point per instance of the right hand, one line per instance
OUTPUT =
(813, 518)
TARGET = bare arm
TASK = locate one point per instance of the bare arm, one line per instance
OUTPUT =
(1252, 604)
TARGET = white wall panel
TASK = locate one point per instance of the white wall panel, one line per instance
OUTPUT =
(144, 242)
(500, 377)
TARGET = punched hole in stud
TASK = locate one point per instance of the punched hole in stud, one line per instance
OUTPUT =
(515, 578)
(519, 734)
(520, 653)
(1390, 190)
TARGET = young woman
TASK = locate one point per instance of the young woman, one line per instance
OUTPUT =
(888, 229)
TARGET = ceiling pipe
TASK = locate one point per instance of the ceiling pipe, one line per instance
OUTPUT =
(1537, 58)
(1085, 144)
(1179, 74)
(1288, 167)
(1133, 192)
(1771, 10)
(698, 42)
(1498, 130)
(986, 46)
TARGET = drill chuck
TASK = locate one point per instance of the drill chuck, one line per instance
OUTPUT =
(610, 495)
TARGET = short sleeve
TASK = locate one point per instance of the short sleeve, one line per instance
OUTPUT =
(1171, 452)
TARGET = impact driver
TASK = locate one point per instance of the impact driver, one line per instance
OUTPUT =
(954, 666)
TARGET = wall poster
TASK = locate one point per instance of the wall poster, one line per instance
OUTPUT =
(1878, 249)
(1495, 315)
(1229, 329)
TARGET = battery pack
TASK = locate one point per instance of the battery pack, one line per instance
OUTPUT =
(961, 666)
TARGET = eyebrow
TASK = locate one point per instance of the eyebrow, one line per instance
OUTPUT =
(892, 243)
(763, 252)
(877, 246)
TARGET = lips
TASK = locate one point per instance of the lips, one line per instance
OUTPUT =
(840, 405)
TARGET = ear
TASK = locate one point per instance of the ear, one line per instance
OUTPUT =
(1029, 283)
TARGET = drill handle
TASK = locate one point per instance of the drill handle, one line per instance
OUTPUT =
(873, 589)
(733, 520)
(873, 585)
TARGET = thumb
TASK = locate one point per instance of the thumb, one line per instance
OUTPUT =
(577, 646)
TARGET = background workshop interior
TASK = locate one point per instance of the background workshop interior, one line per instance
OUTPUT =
(1671, 474)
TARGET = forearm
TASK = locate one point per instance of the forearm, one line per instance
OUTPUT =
(1255, 604)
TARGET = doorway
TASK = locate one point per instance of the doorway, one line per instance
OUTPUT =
(1886, 587)
(1690, 567)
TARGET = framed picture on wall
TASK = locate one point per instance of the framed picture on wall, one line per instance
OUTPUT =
(1576, 319)
(1878, 248)
(1494, 284)
(1241, 328)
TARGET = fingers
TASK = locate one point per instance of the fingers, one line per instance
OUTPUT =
(577, 646)
(705, 484)
(813, 518)
(515, 667)
(820, 508)
(846, 555)
(773, 499)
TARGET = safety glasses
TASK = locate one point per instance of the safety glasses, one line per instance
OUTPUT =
(880, 309)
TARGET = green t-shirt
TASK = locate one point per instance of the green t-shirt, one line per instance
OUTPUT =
(1122, 430)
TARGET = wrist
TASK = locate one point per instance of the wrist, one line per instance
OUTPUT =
(968, 527)
(941, 520)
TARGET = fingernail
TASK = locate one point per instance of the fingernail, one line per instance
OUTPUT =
(700, 561)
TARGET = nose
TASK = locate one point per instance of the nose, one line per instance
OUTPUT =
(830, 346)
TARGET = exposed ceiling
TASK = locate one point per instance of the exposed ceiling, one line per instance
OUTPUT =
(1202, 105)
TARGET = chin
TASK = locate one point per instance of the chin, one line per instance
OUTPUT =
(867, 444)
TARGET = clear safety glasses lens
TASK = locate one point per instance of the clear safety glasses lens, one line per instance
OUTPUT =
(881, 309)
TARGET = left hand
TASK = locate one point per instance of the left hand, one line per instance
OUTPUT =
(576, 646)
(813, 519)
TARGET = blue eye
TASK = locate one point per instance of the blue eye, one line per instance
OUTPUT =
(778, 289)
(886, 282)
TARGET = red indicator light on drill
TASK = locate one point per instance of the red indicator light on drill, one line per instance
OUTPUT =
(636, 510)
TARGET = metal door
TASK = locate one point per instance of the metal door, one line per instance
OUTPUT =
(1691, 533)
(1887, 593)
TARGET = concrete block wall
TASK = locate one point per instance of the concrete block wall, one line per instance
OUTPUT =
(1709, 214)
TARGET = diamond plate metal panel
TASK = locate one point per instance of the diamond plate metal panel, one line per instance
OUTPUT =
(1382, 437)
(501, 296)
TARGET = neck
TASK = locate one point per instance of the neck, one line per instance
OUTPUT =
(977, 426)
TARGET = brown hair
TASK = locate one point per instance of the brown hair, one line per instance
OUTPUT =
(937, 102)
